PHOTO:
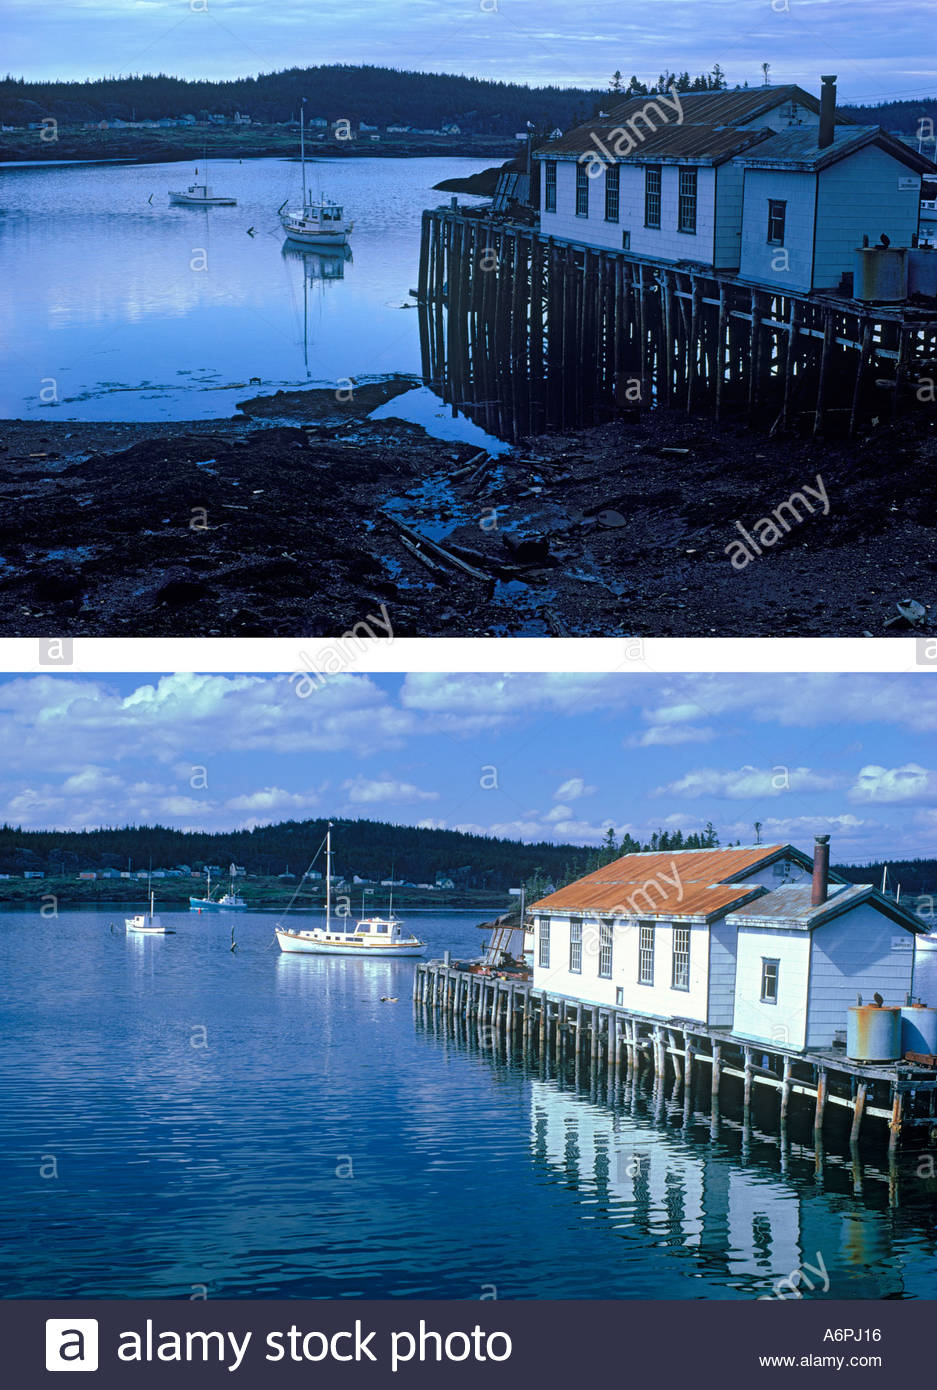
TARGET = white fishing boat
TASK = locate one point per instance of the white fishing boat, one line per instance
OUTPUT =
(146, 923)
(228, 902)
(372, 938)
(201, 195)
(316, 223)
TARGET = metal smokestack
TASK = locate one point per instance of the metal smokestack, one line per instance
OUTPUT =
(821, 870)
(827, 112)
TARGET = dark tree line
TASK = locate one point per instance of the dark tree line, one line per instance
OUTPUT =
(378, 96)
(372, 849)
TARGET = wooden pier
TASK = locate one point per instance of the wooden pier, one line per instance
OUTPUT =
(619, 1046)
(526, 333)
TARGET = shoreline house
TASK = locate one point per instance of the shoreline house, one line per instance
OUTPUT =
(770, 184)
(760, 940)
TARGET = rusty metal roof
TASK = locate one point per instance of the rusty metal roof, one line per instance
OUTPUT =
(728, 108)
(701, 144)
(798, 149)
(682, 883)
(790, 906)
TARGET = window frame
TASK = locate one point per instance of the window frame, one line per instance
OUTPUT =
(646, 953)
(543, 943)
(613, 193)
(657, 194)
(606, 947)
(549, 185)
(774, 203)
(575, 925)
(767, 963)
(582, 191)
(682, 956)
(686, 199)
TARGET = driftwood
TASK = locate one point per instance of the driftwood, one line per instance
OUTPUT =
(435, 550)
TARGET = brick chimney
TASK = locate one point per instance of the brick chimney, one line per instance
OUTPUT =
(827, 112)
(821, 870)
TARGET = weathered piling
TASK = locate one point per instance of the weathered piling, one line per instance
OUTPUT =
(525, 332)
(612, 1047)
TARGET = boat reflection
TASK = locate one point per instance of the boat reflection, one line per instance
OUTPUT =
(321, 267)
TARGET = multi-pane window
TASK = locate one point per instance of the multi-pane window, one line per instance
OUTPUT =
(612, 193)
(549, 170)
(646, 954)
(687, 213)
(777, 215)
(575, 945)
(605, 950)
(582, 191)
(545, 942)
(652, 196)
(680, 977)
(769, 980)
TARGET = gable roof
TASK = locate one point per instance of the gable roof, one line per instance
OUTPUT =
(798, 149)
(789, 906)
(695, 883)
(728, 108)
(703, 144)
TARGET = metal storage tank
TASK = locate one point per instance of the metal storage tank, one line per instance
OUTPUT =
(922, 271)
(873, 1034)
(918, 1029)
(881, 275)
(924, 980)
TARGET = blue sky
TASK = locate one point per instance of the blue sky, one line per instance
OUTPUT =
(879, 49)
(556, 757)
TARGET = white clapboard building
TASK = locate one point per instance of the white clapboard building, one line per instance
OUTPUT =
(759, 939)
(771, 184)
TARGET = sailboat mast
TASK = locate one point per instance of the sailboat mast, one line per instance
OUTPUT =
(302, 143)
(328, 877)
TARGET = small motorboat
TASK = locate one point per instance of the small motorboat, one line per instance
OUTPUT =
(317, 224)
(147, 923)
(228, 902)
(200, 195)
(373, 937)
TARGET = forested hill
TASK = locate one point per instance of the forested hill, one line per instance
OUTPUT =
(903, 117)
(377, 96)
(371, 849)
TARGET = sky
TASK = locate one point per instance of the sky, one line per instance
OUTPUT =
(537, 757)
(880, 49)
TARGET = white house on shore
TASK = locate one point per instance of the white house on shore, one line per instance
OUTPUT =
(770, 184)
(756, 939)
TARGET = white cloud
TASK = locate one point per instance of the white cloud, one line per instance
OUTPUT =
(896, 784)
(746, 782)
(271, 799)
(366, 791)
(558, 813)
(573, 789)
(671, 736)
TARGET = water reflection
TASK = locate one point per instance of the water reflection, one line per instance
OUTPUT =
(727, 1200)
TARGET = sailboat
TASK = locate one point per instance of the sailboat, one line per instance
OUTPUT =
(229, 902)
(372, 936)
(147, 923)
(200, 195)
(315, 224)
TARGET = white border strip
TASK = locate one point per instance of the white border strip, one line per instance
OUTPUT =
(453, 654)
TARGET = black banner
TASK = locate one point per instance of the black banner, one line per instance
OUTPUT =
(291, 1343)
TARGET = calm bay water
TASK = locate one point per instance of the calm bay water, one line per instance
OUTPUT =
(105, 304)
(265, 1125)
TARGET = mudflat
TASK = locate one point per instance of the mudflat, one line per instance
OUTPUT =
(302, 517)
